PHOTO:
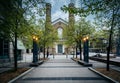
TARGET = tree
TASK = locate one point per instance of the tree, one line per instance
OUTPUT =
(12, 15)
(48, 31)
(49, 35)
(34, 12)
(68, 35)
(13, 23)
(108, 9)
(39, 26)
(82, 28)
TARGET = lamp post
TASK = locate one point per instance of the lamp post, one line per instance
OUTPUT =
(86, 49)
(118, 45)
(35, 49)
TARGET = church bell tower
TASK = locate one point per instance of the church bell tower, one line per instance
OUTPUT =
(48, 13)
(71, 15)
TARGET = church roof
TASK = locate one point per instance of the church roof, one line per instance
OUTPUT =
(59, 20)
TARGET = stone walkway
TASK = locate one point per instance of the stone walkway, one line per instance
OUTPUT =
(61, 71)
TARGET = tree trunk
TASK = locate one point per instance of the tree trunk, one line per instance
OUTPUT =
(76, 51)
(110, 38)
(15, 53)
(47, 52)
(118, 44)
(15, 49)
(44, 51)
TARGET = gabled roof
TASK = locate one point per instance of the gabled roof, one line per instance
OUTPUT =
(59, 20)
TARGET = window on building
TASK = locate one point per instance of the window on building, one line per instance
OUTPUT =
(1, 47)
(4, 48)
(60, 31)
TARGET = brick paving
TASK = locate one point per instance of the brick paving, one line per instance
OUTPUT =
(62, 70)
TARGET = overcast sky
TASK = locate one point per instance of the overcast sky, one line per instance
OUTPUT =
(58, 13)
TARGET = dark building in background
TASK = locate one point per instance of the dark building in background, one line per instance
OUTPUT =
(4, 49)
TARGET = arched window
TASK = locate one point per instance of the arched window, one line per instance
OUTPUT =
(60, 31)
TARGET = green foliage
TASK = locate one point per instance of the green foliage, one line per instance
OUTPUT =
(69, 36)
(101, 8)
(81, 29)
(77, 11)
(49, 35)
(14, 13)
(11, 17)
(107, 15)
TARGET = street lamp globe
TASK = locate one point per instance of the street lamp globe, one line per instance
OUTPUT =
(36, 38)
(87, 37)
(84, 39)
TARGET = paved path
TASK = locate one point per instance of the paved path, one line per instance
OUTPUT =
(61, 71)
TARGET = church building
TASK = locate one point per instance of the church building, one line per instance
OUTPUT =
(59, 24)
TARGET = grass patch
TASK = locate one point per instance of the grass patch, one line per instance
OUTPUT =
(9, 75)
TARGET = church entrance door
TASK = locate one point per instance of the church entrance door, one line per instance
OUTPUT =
(60, 48)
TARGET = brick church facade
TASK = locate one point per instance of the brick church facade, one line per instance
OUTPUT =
(59, 46)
